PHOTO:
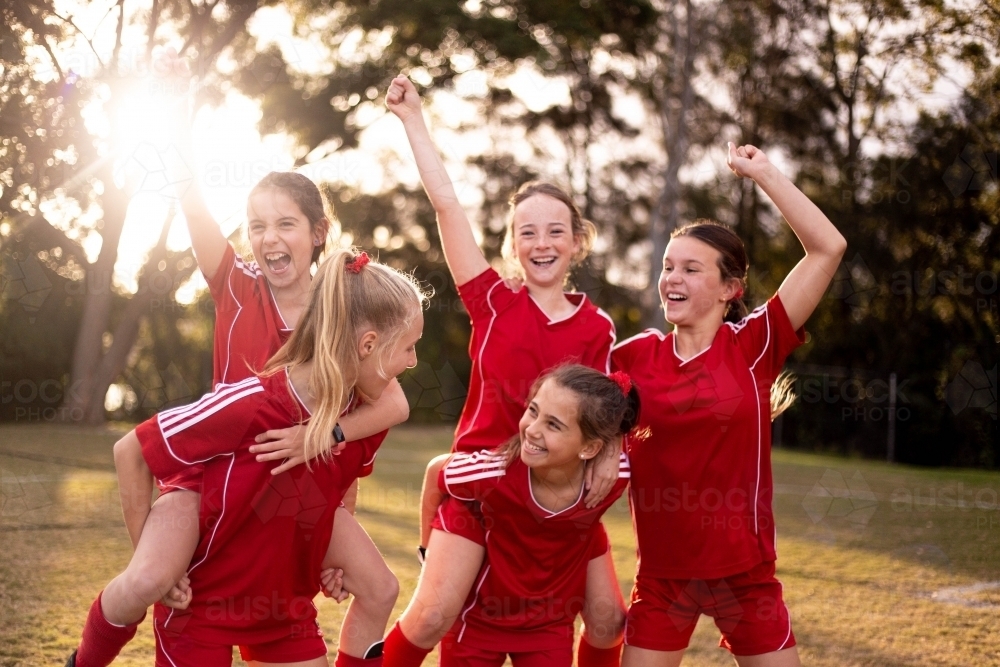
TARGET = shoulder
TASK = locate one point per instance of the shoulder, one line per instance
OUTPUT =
(238, 398)
(472, 466)
(646, 339)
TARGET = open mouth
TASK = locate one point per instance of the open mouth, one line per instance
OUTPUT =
(532, 449)
(277, 262)
(675, 297)
(543, 262)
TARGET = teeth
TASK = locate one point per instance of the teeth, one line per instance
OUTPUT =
(543, 262)
(533, 448)
(271, 257)
(676, 297)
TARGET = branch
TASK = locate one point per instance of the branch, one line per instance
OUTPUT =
(69, 20)
(118, 34)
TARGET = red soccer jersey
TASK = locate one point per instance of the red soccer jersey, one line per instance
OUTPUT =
(263, 537)
(249, 328)
(701, 487)
(534, 578)
(513, 342)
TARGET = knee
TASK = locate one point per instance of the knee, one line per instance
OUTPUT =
(146, 583)
(380, 591)
(607, 629)
(428, 624)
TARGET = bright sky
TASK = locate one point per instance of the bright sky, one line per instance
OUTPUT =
(231, 156)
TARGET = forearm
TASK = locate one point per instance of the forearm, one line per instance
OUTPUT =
(368, 419)
(207, 239)
(814, 230)
(135, 484)
(431, 497)
(433, 174)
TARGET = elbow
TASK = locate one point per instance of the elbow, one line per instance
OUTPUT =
(838, 246)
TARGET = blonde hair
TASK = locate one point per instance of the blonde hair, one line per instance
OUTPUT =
(782, 394)
(584, 231)
(343, 305)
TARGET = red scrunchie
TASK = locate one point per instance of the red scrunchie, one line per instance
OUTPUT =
(739, 293)
(623, 381)
(359, 262)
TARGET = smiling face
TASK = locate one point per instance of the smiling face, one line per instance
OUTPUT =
(281, 237)
(378, 367)
(544, 244)
(691, 287)
(550, 430)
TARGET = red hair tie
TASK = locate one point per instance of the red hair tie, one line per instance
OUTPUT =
(739, 293)
(623, 381)
(359, 262)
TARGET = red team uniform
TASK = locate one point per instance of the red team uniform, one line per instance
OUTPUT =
(513, 343)
(701, 487)
(262, 538)
(533, 581)
(249, 329)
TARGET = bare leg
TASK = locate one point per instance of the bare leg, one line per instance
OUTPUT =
(787, 657)
(445, 581)
(604, 610)
(161, 558)
(640, 657)
(367, 578)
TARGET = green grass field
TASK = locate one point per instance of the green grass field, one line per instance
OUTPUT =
(881, 565)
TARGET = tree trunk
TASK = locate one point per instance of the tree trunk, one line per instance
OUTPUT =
(97, 283)
(675, 132)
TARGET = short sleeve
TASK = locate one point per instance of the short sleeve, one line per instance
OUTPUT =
(233, 282)
(598, 352)
(178, 438)
(471, 476)
(766, 337)
(369, 448)
(485, 295)
(623, 354)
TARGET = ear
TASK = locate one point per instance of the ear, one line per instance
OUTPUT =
(730, 289)
(320, 231)
(591, 448)
(367, 344)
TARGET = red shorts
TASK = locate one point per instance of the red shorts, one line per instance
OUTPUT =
(189, 480)
(454, 654)
(747, 607)
(184, 651)
(462, 518)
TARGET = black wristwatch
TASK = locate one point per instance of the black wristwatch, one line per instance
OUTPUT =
(338, 434)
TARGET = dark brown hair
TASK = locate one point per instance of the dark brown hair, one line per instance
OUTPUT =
(306, 196)
(605, 411)
(733, 262)
(584, 230)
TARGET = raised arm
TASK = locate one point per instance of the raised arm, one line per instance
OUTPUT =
(806, 283)
(207, 240)
(135, 484)
(464, 257)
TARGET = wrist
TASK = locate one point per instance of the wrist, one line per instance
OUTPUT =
(338, 435)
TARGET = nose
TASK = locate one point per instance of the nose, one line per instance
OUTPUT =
(270, 234)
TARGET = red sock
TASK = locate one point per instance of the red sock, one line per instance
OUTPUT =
(401, 652)
(588, 655)
(344, 660)
(101, 640)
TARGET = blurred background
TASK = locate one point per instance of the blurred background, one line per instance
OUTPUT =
(886, 113)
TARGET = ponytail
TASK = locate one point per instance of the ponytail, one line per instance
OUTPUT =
(343, 304)
(782, 394)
